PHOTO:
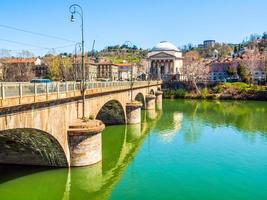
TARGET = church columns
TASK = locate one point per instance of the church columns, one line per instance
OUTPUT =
(161, 67)
(153, 67)
(167, 66)
(172, 67)
(158, 70)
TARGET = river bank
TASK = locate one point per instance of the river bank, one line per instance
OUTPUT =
(224, 91)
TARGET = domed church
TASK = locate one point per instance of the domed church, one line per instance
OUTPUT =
(165, 61)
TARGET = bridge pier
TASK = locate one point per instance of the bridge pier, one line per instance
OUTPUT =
(150, 102)
(85, 142)
(152, 114)
(134, 132)
(159, 100)
(133, 112)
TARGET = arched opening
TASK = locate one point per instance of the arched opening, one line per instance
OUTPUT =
(111, 113)
(152, 92)
(27, 146)
(140, 97)
(159, 89)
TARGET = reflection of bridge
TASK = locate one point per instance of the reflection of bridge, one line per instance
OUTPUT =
(93, 182)
(35, 119)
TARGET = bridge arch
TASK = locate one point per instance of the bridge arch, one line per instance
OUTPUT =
(111, 113)
(152, 92)
(28, 146)
(141, 98)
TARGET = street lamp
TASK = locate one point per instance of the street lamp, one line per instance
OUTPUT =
(129, 44)
(77, 9)
(78, 48)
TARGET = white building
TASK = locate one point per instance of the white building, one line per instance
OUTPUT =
(165, 61)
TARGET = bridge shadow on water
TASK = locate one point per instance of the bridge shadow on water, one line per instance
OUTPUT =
(120, 144)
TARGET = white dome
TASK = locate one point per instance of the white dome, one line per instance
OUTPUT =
(165, 46)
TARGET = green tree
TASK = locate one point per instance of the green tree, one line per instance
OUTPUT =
(59, 68)
(243, 74)
(53, 72)
(235, 49)
(230, 71)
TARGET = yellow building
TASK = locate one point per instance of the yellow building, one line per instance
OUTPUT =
(107, 71)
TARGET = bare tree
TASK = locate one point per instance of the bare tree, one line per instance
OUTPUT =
(196, 72)
(5, 53)
(25, 54)
(195, 69)
(18, 71)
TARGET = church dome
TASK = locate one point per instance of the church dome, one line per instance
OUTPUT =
(165, 46)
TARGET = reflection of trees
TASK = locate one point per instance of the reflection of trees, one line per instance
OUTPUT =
(32, 183)
(246, 116)
(192, 131)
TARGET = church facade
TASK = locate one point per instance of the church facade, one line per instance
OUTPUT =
(165, 62)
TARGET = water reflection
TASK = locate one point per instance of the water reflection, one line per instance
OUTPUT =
(119, 146)
(248, 117)
(185, 119)
(151, 114)
(169, 125)
(32, 183)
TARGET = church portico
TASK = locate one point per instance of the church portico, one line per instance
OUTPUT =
(165, 61)
(161, 67)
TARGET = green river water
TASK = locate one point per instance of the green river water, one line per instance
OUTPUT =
(189, 150)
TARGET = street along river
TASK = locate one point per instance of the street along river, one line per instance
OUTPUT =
(190, 150)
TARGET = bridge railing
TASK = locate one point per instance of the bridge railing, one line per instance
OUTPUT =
(11, 90)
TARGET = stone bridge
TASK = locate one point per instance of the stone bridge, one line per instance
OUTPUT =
(88, 181)
(41, 124)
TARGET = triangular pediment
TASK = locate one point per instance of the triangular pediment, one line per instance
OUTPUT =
(162, 55)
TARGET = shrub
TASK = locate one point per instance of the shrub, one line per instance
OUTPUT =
(218, 89)
(180, 93)
(174, 93)
(204, 92)
(243, 73)
(257, 88)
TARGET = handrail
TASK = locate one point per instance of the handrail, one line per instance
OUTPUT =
(22, 89)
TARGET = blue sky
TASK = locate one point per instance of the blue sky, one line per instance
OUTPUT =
(143, 22)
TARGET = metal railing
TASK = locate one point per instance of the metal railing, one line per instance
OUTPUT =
(16, 89)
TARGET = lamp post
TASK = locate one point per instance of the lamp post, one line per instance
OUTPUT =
(77, 69)
(77, 9)
(129, 44)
